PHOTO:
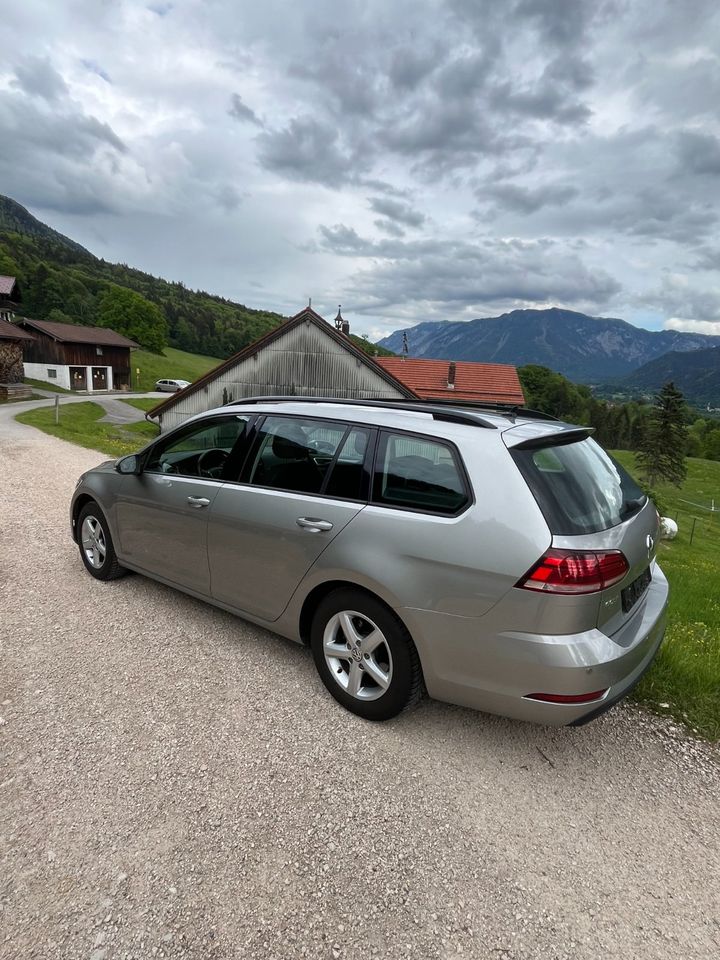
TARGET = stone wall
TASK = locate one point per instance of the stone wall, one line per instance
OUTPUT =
(11, 362)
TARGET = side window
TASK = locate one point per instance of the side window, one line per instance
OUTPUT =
(209, 449)
(347, 475)
(418, 474)
(295, 454)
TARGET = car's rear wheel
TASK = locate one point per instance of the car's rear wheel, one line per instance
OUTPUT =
(96, 546)
(365, 656)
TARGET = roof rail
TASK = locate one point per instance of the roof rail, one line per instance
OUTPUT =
(445, 414)
(511, 410)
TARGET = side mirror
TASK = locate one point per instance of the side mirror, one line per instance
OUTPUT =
(129, 464)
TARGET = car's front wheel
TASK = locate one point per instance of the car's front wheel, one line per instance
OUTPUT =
(96, 546)
(364, 655)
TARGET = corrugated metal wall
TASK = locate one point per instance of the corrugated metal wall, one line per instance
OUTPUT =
(302, 362)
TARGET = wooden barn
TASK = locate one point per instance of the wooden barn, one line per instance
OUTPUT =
(306, 356)
(10, 297)
(77, 357)
(12, 342)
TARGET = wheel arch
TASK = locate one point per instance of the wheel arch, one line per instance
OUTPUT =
(82, 501)
(322, 590)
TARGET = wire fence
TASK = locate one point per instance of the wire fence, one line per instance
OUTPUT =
(703, 521)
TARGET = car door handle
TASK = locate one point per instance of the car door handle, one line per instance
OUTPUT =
(198, 502)
(312, 525)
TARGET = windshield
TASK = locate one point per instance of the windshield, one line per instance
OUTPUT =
(579, 487)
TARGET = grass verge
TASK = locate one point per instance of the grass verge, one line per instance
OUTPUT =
(171, 365)
(42, 385)
(685, 679)
(80, 424)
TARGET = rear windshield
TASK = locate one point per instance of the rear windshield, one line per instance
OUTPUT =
(579, 487)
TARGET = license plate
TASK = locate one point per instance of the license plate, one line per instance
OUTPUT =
(632, 593)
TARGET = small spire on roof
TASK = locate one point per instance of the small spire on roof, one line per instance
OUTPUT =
(341, 324)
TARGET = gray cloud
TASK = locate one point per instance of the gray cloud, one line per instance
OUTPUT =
(309, 150)
(397, 210)
(699, 152)
(579, 135)
(240, 111)
(444, 276)
(677, 297)
(36, 76)
(390, 227)
(511, 196)
(563, 22)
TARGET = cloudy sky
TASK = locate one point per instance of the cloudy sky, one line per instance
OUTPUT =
(411, 159)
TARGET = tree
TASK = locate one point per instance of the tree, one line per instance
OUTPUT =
(128, 313)
(661, 455)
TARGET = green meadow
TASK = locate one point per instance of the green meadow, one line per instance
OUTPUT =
(685, 679)
(172, 364)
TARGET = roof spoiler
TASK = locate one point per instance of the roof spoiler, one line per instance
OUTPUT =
(558, 438)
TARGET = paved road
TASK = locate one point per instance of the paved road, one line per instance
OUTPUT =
(115, 410)
(176, 783)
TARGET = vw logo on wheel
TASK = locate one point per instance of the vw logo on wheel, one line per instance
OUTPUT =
(356, 654)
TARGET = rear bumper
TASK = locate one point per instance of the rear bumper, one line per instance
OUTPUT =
(496, 672)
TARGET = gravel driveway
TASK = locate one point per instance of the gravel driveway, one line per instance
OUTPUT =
(176, 783)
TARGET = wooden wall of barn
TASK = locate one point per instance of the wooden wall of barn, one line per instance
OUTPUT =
(302, 362)
(46, 350)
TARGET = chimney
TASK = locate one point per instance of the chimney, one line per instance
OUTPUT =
(451, 377)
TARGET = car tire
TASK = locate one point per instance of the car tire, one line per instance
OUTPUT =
(96, 546)
(364, 654)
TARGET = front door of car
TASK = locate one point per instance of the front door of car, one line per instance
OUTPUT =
(162, 514)
(304, 482)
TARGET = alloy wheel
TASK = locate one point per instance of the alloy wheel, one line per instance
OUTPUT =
(358, 655)
(92, 537)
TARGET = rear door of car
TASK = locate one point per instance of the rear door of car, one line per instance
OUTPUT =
(303, 482)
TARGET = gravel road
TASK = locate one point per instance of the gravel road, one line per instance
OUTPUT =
(176, 783)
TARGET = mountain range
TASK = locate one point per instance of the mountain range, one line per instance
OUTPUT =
(695, 372)
(61, 280)
(583, 348)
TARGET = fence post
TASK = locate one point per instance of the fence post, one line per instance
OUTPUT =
(57, 408)
(693, 530)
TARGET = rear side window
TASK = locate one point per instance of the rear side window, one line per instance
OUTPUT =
(295, 454)
(418, 474)
(579, 488)
(347, 478)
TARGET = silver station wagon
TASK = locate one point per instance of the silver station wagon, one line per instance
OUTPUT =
(497, 559)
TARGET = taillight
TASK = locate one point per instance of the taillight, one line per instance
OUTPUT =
(575, 571)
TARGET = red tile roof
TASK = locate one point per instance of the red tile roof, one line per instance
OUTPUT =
(74, 333)
(479, 382)
(6, 285)
(9, 331)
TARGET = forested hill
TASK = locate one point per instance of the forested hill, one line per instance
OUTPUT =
(60, 280)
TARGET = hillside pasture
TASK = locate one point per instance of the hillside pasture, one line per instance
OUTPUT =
(685, 679)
